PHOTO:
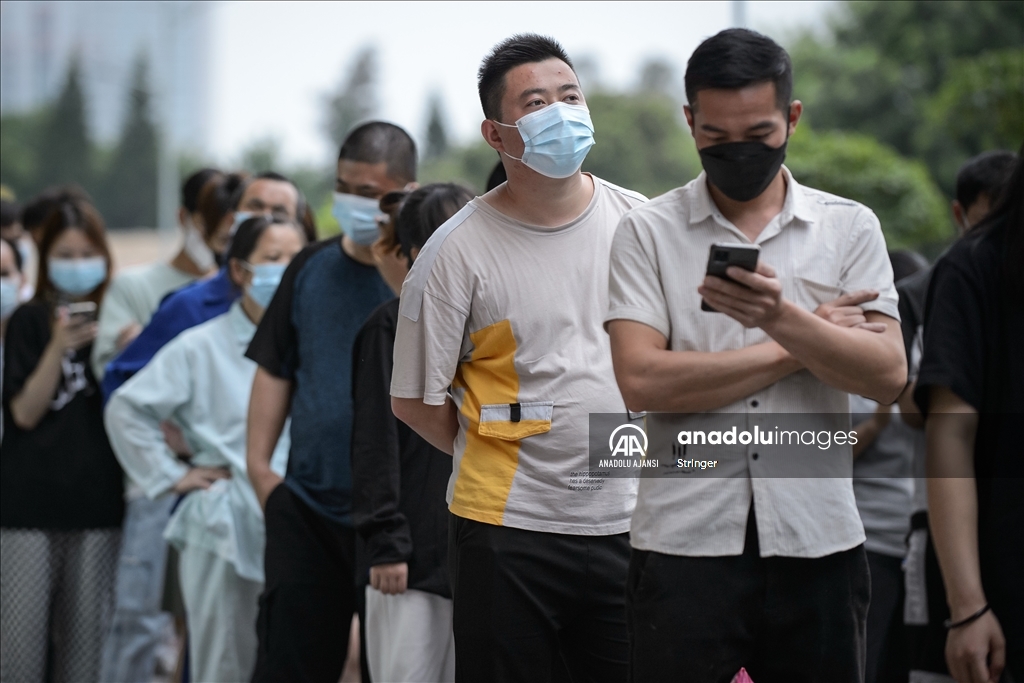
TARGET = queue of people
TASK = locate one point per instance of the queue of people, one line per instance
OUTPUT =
(362, 456)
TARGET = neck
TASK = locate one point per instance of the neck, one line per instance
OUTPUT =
(360, 252)
(253, 311)
(752, 216)
(185, 264)
(533, 198)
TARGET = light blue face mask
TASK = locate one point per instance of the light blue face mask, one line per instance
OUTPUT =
(265, 279)
(77, 276)
(357, 217)
(557, 139)
(8, 297)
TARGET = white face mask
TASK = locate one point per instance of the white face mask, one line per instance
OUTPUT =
(556, 139)
(197, 249)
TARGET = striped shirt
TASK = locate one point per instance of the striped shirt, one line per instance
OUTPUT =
(821, 246)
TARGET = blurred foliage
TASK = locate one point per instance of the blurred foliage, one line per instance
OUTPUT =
(65, 151)
(356, 99)
(437, 131)
(899, 190)
(883, 67)
(127, 191)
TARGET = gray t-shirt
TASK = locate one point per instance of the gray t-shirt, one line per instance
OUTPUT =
(882, 481)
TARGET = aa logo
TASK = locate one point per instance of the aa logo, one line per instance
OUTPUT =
(628, 441)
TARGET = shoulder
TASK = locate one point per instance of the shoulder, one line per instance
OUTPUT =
(666, 210)
(835, 211)
(384, 319)
(620, 194)
(973, 257)
(445, 240)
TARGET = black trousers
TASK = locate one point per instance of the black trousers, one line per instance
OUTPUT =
(887, 660)
(537, 607)
(787, 620)
(310, 596)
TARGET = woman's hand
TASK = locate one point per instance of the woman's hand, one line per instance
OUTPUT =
(71, 333)
(200, 478)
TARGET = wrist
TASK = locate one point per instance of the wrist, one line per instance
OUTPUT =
(779, 318)
(962, 607)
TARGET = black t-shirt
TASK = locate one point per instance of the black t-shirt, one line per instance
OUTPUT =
(399, 480)
(62, 474)
(973, 334)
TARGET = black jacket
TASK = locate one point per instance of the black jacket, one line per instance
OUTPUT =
(398, 479)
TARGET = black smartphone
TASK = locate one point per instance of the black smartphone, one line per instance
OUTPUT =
(721, 256)
(82, 312)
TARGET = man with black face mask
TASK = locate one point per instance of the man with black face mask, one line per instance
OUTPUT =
(757, 567)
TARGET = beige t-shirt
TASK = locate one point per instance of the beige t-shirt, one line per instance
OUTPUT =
(509, 316)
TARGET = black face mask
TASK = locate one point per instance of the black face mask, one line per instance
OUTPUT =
(742, 170)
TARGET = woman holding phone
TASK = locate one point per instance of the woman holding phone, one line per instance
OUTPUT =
(61, 491)
(202, 381)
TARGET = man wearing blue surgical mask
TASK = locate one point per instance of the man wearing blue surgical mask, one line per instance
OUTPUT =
(303, 347)
(504, 304)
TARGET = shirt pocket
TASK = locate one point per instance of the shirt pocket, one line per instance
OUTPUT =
(811, 292)
(514, 421)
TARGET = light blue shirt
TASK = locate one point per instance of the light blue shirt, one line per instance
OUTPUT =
(202, 381)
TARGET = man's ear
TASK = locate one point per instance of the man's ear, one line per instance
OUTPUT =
(688, 113)
(959, 217)
(492, 136)
(796, 109)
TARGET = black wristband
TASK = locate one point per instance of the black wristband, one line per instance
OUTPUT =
(950, 624)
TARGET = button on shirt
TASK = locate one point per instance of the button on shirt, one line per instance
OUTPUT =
(821, 246)
(201, 380)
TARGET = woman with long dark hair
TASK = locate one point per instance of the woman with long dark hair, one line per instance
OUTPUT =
(61, 491)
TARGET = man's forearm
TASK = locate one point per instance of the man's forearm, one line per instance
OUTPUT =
(852, 359)
(269, 405)
(693, 381)
(438, 425)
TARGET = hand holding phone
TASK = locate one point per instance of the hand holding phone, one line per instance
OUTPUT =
(721, 256)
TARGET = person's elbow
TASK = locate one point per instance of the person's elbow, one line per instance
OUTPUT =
(408, 410)
(633, 388)
(22, 417)
(891, 378)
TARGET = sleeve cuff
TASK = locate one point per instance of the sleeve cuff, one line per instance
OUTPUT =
(640, 315)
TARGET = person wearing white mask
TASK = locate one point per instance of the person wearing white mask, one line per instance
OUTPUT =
(136, 292)
(202, 381)
(61, 489)
(500, 357)
(11, 281)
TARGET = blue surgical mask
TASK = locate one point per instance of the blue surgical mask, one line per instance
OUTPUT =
(557, 139)
(265, 279)
(8, 297)
(357, 217)
(77, 276)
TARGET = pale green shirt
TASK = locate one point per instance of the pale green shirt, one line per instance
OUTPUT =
(202, 381)
(134, 294)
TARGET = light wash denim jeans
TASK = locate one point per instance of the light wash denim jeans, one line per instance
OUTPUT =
(138, 626)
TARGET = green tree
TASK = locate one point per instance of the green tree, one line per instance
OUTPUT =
(65, 151)
(19, 151)
(356, 99)
(882, 64)
(262, 155)
(437, 131)
(899, 190)
(641, 144)
(128, 197)
(980, 106)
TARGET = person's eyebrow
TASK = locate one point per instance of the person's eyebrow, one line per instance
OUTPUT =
(762, 125)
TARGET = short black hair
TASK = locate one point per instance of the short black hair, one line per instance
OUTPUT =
(497, 177)
(377, 141)
(18, 261)
(736, 58)
(249, 231)
(522, 48)
(425, 210)
(983, 174)
(192, 186)
(10, 213)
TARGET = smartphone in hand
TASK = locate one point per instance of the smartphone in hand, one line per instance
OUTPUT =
(82, 312)
(721, 256)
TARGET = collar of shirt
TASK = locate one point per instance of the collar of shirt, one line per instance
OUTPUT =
(794, 207)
